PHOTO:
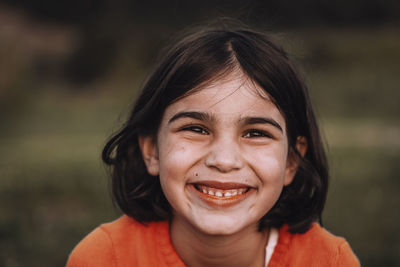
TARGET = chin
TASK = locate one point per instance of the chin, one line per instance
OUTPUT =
(222, 226)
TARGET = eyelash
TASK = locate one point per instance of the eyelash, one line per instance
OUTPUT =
(254, 133)
(196, 129)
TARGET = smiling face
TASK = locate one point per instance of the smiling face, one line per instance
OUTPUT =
(222, 156)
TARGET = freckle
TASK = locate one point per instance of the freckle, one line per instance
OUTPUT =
(196, 174)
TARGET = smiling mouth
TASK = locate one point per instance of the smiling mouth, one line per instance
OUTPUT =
(221, 194)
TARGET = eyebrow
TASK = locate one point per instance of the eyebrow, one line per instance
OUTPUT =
(203, 116)
(261, 120)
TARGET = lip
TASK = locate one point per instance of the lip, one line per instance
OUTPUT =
(237, 192)
(222, 185)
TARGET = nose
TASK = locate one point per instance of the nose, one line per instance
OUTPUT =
(224, 155)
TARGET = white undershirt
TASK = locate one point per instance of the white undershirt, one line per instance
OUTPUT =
(272, 241)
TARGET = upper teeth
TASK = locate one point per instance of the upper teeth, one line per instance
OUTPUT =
(219, 192)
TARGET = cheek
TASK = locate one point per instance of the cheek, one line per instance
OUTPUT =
(270, 164)
(176, 158)
(175, 161)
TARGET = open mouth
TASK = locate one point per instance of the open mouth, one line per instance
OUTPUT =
(221, 194)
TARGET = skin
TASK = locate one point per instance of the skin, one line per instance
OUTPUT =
(228, 132)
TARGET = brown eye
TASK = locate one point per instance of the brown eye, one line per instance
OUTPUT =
(196, 129)
(256, 133)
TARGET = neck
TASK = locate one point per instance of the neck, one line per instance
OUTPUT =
(245, 248)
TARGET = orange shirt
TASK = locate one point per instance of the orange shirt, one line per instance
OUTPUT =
(125, 242)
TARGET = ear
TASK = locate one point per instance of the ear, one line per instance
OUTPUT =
(149, 151)
(293, 159)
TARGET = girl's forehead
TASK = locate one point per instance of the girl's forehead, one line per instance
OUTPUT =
(234, 95)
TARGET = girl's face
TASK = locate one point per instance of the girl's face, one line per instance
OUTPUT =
(222, 156)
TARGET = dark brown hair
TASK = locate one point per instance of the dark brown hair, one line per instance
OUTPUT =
(190, 63)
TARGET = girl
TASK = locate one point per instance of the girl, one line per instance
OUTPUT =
(219, 164)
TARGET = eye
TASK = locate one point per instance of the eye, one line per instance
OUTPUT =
(253, 133)
(196, 129)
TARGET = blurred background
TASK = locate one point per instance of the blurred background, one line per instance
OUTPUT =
(69, 71)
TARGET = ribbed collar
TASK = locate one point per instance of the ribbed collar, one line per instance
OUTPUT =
(165, 246)
(279, 256)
